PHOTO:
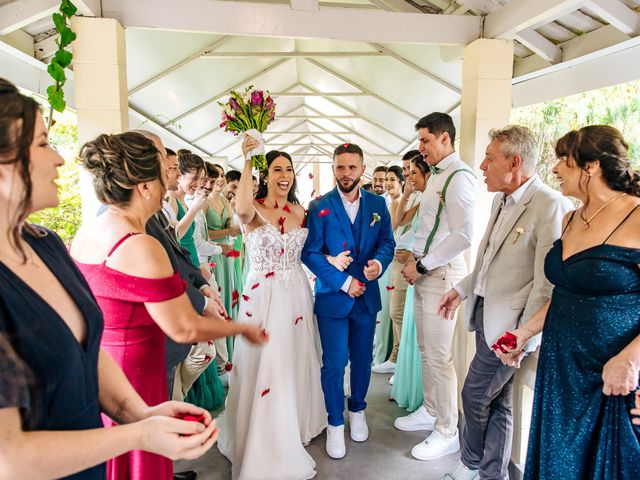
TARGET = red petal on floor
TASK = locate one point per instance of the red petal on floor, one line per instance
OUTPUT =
(228, 367)
(299, 319)
(286, 208)
(245, 297)
(249, 314)
(270, 274)
(324, 212)
(390, 287)
(255, 285)
(265, 392)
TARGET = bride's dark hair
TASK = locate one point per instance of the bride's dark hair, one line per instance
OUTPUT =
(262, 184)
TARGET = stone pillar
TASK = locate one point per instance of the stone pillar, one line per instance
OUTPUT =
(487, 70)
(100, 84)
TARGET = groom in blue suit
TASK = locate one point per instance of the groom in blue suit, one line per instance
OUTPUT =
(349, 246)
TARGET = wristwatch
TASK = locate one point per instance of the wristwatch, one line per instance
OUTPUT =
(420, 268)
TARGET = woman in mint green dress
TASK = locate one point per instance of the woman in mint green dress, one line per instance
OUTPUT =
(207, 391)
(407, 381)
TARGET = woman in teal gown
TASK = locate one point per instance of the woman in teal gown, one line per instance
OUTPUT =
(587, 373)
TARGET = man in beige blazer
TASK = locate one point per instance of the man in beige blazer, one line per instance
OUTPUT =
(506, 287)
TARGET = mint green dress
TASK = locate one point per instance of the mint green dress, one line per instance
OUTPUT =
(187, 239)
(224, 270)
(383, 339)
(407, 385)
(207, 391)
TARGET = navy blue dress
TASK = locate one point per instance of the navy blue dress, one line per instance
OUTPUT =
(577, 432)
(54, 379)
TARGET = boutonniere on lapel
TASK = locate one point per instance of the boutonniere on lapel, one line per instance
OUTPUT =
(519, 231)
(376, 219)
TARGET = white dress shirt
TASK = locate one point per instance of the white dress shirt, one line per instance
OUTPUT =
(455, 231)
(509, 203)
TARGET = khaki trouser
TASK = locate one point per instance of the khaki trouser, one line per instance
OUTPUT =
(435, 337)
(191, 368)
(396, 305)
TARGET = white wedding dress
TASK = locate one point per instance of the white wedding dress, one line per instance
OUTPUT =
(275, 402)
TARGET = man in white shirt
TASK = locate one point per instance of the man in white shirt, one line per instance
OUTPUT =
(506, 287)
(378, 183)
(445, 228)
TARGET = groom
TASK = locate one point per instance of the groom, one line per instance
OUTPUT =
(347, 220)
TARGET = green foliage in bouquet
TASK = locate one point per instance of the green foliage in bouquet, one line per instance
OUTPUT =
(254, 109)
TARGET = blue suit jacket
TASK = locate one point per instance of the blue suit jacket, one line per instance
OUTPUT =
(331, 234)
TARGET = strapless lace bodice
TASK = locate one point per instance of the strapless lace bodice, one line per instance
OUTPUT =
(268, 250)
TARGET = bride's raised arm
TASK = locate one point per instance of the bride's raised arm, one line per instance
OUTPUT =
(245, 208)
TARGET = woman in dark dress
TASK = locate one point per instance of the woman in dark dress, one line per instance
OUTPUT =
(590, 354)
(54, 379)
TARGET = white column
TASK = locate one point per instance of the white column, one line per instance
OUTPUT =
(487, 69)
(100, 83)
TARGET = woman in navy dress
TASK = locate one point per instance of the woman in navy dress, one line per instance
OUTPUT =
(590, 354)
(51, 394)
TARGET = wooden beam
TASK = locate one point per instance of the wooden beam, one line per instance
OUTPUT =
(296, 54)
(539, 45)
(279, 20)
(319, 94)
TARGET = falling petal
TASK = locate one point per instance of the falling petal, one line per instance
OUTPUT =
(270, 274)
(324, 212)
(255, 285)
(299, 319)
(390, 287)
(286, 208)
(265, 392)
(249, 314)
(245, 297)
(228, 367)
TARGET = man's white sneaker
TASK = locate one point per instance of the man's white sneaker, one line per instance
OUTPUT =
(335, 442)
(358, 426)
(391, 379)
(461, 472)
(418, 420)
(385, 367)
(435, 446)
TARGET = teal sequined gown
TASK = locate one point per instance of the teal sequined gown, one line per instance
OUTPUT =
(577, 432)
(207, 391)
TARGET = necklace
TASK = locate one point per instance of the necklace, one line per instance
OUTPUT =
(588, 220)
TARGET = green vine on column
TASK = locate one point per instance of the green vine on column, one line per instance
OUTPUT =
(62, 58)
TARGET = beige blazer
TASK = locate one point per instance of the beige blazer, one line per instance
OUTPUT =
(516, 286)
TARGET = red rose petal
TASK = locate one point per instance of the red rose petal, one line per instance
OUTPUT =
(318, 197)
(249, 314)
(210, 343)
(190, 417)
(360, 283)
(255, 285)
(228, 318)
(299, 319)
(281, 221)
(265, 392)
(207, 358)
(233, 254)
(378, 322)
(270, 274)
(390, 287)
(228, 367)
(245, 297)
(219, 289)
(212, 265)
(234, 303)
(281, 251)
(235, 295)
(276, 204)
(324, 212)
(286, 208)
(260, 201)
(311, 176)
(344, 246)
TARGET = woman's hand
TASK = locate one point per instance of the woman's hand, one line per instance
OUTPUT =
(199, 202)
(177, 439)
(408, 189)
(620, 376)
(341, 261)
(514, 356)
(248, 144)
(173, 409)
(255, 334)
(403, 256)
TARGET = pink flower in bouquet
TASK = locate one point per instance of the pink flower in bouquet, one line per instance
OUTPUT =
(268, 102)
(257, 97)
(234, 104)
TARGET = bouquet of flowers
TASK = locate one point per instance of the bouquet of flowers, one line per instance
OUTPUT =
(250, 113)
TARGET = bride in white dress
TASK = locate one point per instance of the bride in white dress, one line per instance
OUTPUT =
(275, 404)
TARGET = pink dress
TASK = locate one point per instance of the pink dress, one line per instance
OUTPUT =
(136, 343)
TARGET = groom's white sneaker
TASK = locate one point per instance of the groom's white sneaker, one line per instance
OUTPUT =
(358, 426)
(385, 367)
(418, 420)
(435, 446)
(335, 441)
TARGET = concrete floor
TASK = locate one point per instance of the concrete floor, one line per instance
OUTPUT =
(386, 455)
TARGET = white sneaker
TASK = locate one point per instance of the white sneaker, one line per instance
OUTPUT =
(358, 426)
(435, 446)
(461, 472)
(385, 367)
(391, 379)
(418, 420)
(335, 442)
(224, 378)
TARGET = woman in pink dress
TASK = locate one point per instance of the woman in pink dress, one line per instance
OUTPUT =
(129, 272)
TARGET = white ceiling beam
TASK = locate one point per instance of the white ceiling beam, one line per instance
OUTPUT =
(217, 97)
(310, 132)
(416, 67)
(519, 15)
(305, 5)
(362, 88)
(46, 48)
(539, 45)
(239, 137)
(16, 15)
(178, 65)
(396, 6)
(329, 117)
(278, 20)
(358, 115)
(483, 7)
(617, 14)
(319, 94)
(296, 54)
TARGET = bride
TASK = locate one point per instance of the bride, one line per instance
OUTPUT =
(275, 404)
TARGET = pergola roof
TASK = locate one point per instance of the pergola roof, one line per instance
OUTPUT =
(360, 72)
